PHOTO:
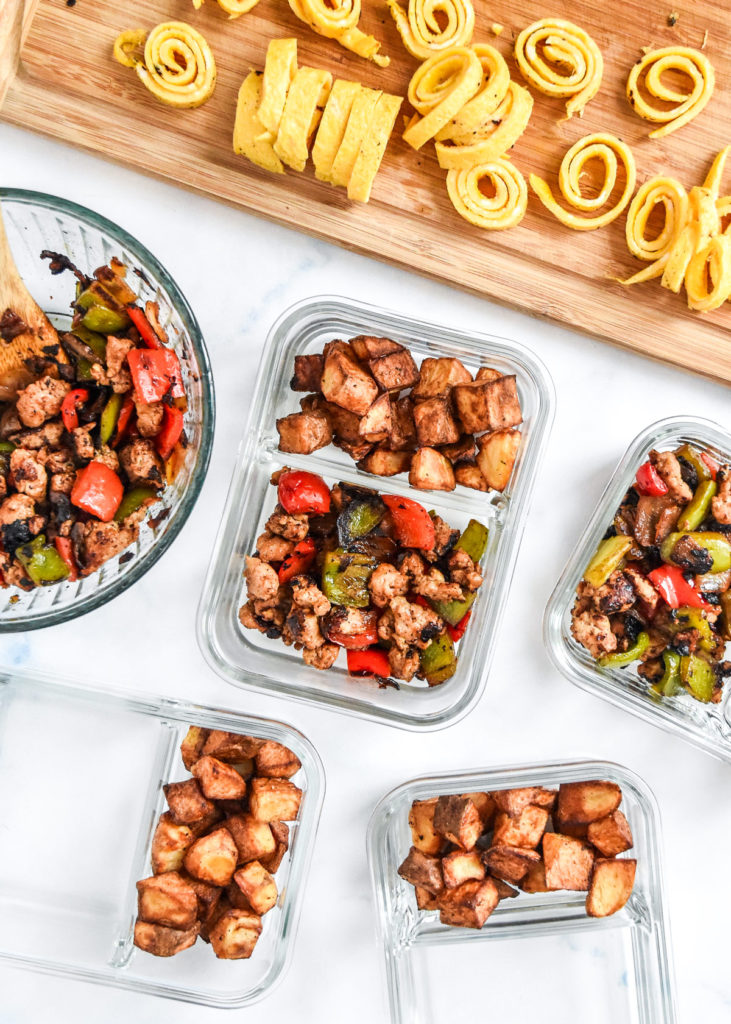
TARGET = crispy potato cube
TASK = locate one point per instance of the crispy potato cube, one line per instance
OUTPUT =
(420, 869)
(525, 830)
(513, 801)
(468, 474)
(505, 891)
(431, 471)
(223, 906)
(395, 371)
(168, 900)
(307, 373)
(376, 422)
(162, 941)
(611, 886)
(496, 457)
(346, 384)
(469, 905)
(218, 780)
(610, 835)
(403, 428)
(384, 462)
(434, 423)
(257, 885)
(485, 807)
(580, 803)
(458, 820)
(303, 432)
(510, 862)
(230, 746)
(280, 831)
(344, 424)
(568, 862)
(487, 373)
(274, 799)
(566, 829)
(357, 452)
(169, 844)
(236, 897)
(207, 895)
(487, 404)
(199, 828)
(275, 761)
(470, 403)
(187, 803)
(245, 768)
(425, 900)
(462, 450)
(235, 934)
(438, 376)
(213, 858)
(421, 821)
(254, 839)
(367, 347)
(192, 746)
(535, 879)
(461, 866)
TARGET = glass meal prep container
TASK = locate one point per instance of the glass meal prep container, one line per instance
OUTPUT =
(708, 726)
(533, 948)
(250, 659)
(91, 765)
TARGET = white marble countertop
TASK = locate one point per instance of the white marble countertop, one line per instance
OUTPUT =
(239, 273)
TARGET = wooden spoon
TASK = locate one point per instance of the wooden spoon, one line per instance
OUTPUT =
(36, 331)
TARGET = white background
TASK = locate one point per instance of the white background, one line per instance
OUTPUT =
(239, 273)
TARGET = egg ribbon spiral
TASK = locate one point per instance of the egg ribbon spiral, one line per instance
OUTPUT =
(234, 8)
(669, 193)
(502, 130)
(420, 30)
(710, 263)
(685, 105)
(439, 89)
(548, 48)
(477, 111)
(340, 22)
(177, 66)
(504, 209)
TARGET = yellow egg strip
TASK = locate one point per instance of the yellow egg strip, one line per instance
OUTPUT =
(332, 126)
(685, 105)
(126, 43)
(501, 132)
(495, 84)
(703, 222)
(712, 261)
(301, 115)
(177, 65)
(420, 29)
(560, 59)
(338, 19)
(610, 151)
(280, 68)
(248, 139)
(373, 147)
(439, 89)
(672, 196)
(234, 8)
(355, 132)
(504, 209)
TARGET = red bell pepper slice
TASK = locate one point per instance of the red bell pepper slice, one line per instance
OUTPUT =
(124, 419)
(413, 524)
(174, 372)
(144, 326)
(458, 631)
(151, 373)
(66, 550)
(649, 481)
(675, 590)
(98, 490)
(172, 428)
(298, 561)
(71, 403)
(712, 464)
(303, 492)
(373, 662)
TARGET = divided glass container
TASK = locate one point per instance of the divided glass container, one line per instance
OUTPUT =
(708, 726)
(82, 773)
(249, 659)
(533, 948)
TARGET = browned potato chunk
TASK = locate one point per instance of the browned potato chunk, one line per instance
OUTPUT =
(468, 474)
(422, 870)
(580, 803)
(274, 799)
(513, 801)
(367, 347)
(199, 828)
(434, 423)
(307, 373)
(230, 747)
(505, 891)
(280, 831)
(344, 424)
(458, 820)
(610, 835)
(208, 897)
(487, 373)
(438, 376)
(488, 404)
(470, 403)
(303, 432)
(421, 821)
(168, 900)
(275, 761)
(236, 898)
(258, 886)
(461, 866)
(254, 839)
(357, 452)
(525, 830)
(384, 462)
(535, 879)
(431, 471)
(218, 780)
(485, 807)
(161, 941)
(394, 372)
(510, 862)
(496, 457)
(213, 858)
(469, 905)
(169, 844)
(568, 862)
(192, 746)
(425, 900)
(463, 450)
(376, 422)
(245, 768)
(187, 803)
(346, 383)
(235, 934)
(611, 886)
(403, 429)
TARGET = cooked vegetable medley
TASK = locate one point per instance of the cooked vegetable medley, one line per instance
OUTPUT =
(376, 574)
(89, 435)
(657, 590)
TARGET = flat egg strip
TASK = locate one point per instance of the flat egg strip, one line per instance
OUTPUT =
(249, 139)
(177, 65)
(340, 22)
(504, 209)
(420, 28)
(560, 59)
(439, 89)
(646, 77)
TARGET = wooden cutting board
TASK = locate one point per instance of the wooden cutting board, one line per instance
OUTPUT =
(57, 76)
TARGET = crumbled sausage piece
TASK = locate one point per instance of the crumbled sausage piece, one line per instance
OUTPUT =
(41, 400)
(404, 663)
(305, 628)
(668, 466)
(141, 462)
(643, 588)
(414, 626)
(721, 504)
(262, 581)
(83, 444)
(323, 657)
(149, 417)
(99, 542)
(117, 371)
(108, 457)
(308, 595)
(12, 572)
(291, 527)
(412, 566)
(444, 539)
(273, 549)
(387, 582)
(16, 507)
(49, 435)
(27, 474)
(464, 571)
(593, 630)
(616, 595)
(433, 586)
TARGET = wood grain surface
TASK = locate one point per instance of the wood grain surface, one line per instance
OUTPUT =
(64, 83)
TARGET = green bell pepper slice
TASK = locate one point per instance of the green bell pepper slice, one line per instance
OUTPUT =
(693, 456)
(345, 578)
(698, 677)
(693, 514)
(357, 520)
(96, 342)
(473, 540)
(134, 499)
(438, 660)
(609, 556)
(42, 561)
(694, 618)
(7, 447)
(633, 653)
(109, 417)
(670, 683)
(716, 544)
(454, 611)
(104, 321)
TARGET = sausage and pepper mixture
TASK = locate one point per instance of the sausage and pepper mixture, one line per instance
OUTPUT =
(372, 573)
(657, 591)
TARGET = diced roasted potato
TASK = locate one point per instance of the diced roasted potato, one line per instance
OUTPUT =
(394, 372)
(245, 768)
(431, 471)
(235, 934)
(462, 450)
(568, 862)
(236, 897)
(610, 835)
(192, 746)
(505, 891)
(487, 404)
(611, 886)
(469, 905)
(425, 900)
(208, 897)
(367, 347)
(513, 801)
(470, 403)
(221, 908)
(567, 829)
(434, 423)
(403, 430)
(580, 803)
(230, 747)
(357, 452)
(344, 424)
(468, 474)
(257, 885)
(346, 383)
(169, 844)
(213, 858)
(274, 799)
(420, 869)
(167, 899)
(510, 862)
(218, 780)
(438, 376)
(162, 941)
(254, 839)
(421, 821)
(376, 422)
(462, 866)
(384, 462)
(485, 807)
(280, 831)
(307, 373)
(487, 373)
(187, 803)
(199, 828)
(524, 830)
(535, 879)
(303, 432)
(458, 820)
(275, 761)
(496, 457)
